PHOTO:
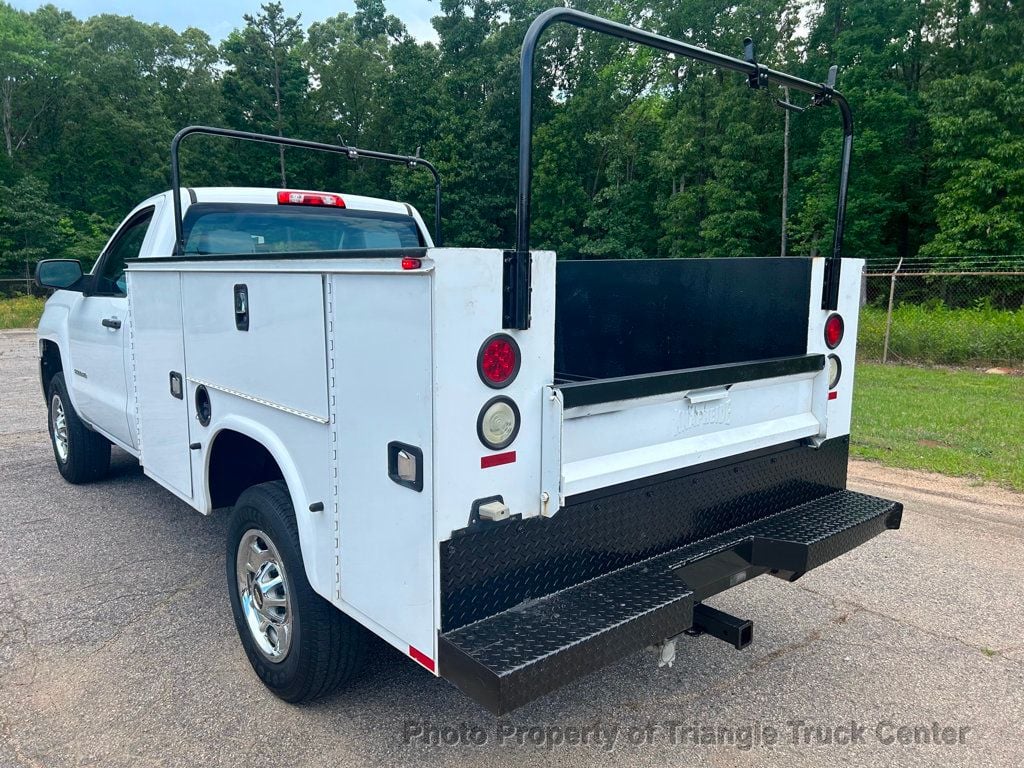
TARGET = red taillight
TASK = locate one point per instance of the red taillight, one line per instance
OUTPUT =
(291, 197)
(410, 263)
(498, 361)
(833, 331)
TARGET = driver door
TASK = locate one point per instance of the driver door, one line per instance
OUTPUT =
(98, 335)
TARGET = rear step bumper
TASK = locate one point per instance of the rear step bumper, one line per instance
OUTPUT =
(515, 656)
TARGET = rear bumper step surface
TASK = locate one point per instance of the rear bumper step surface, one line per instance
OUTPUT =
(513, 657)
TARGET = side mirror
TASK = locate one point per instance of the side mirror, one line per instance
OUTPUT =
(62, 274)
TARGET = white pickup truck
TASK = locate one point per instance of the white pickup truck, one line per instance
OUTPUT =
(515, 470)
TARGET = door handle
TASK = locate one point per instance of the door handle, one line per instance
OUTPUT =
(111, 322)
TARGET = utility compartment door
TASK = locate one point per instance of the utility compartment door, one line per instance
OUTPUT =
(158, 354)
(259, 335)
(379, 329)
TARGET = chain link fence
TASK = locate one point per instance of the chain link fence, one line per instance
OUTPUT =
(914, 312)
(963, 312)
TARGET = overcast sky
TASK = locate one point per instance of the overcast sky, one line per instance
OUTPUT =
(219, 17)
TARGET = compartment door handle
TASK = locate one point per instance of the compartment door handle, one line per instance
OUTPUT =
(241, 307)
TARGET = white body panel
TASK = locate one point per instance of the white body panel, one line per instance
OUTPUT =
(98, 367)
(382, 393)
(157, 349)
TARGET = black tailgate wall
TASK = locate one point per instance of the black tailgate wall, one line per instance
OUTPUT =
(629, 317)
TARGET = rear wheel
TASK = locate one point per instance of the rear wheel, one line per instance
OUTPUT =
(300, 645)
(81, 454)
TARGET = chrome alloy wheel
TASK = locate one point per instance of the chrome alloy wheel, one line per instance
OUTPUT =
(263, 593)
(59, 428)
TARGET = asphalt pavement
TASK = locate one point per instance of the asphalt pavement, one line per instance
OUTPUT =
(117, 646)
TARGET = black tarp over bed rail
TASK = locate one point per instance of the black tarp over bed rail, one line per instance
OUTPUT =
(516, 299)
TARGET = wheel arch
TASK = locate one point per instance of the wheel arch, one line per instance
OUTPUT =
(236, 441)
(317, 560)
(51, 362)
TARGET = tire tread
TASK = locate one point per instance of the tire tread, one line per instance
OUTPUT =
(332, 644)
(88, 451)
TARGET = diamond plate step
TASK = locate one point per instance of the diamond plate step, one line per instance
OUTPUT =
(524, 652)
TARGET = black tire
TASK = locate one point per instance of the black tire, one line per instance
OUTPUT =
(88, 453)
(326, 647)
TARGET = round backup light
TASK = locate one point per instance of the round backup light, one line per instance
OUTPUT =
(498, 423)
(498, 361)
(835, 371)
(833, 331)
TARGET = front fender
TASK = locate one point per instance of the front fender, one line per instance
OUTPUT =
(53, 327)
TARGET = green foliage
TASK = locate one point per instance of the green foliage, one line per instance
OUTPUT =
(959, 423)
(936, 334)
(20, 312)
(636, 153)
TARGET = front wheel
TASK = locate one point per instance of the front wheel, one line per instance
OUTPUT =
(81, 454)
(300, 645)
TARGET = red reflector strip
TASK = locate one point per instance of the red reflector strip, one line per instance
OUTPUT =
(833, 395)
(422, 658)
(291, 197)
(497, 459)
(411, 263)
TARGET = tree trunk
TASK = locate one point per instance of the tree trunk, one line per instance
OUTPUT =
(7, 94)
(277, 108)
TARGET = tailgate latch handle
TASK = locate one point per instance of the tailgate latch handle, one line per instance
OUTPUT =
(707, 395)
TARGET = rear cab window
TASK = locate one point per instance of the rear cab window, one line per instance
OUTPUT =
(240, 228)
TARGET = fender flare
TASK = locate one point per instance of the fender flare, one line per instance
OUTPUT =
(58, 337)
(296, 488)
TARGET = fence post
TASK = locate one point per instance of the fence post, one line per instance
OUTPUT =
(888, 312)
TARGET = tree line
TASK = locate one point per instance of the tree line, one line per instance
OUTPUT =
(637, 154)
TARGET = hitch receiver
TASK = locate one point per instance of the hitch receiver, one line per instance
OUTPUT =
(739, 633)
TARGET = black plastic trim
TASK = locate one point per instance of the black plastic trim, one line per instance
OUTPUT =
(177, 385)
(394, 448)
(204, 408)
(581, 393)
(480, 360)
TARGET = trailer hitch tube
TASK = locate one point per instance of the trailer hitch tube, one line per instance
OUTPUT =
(516, 309)
(739, 633)
(352, 153)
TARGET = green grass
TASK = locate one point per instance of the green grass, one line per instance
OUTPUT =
(20, 312)
(981, 336)
(960, 423)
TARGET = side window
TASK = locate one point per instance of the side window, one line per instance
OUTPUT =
(126, 245)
